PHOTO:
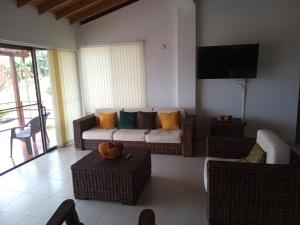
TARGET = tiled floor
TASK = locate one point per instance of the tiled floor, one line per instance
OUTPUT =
(30, 194)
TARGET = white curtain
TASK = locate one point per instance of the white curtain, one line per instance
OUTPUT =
(113, 76)
(63, 68)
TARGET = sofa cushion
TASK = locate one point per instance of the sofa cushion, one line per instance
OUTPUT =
(130, 135)
(146, 120)
(170, 121)
(108, 120)
(98, 134)
(278, 152)
(164, 136)
(106, 110)
(128, 120)
(205, 175)
(169, 110)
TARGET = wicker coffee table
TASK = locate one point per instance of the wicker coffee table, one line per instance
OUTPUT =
(116, 180)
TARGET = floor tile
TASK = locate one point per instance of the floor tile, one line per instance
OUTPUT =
(48, 187)
(47, 208)
(90, 211)
(7, 196)
(7, 218)
(25, 203)
(31, 220)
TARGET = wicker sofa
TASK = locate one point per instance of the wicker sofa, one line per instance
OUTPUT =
(247, 193)
(87, 135)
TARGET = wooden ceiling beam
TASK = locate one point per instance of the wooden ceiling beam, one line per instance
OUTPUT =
(51, 4)
(105, 12)
(22, 3)
(96, 9)
(75, 8)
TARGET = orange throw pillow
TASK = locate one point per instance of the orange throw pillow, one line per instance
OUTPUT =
(170, 121)
(108, 120)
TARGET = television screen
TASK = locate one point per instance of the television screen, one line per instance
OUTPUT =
(228, 61)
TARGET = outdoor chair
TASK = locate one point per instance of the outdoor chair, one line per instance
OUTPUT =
(27, 132)
(66, 212)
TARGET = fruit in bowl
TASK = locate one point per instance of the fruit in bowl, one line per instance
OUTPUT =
(110, 150)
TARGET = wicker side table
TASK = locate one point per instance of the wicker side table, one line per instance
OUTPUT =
(116, 180)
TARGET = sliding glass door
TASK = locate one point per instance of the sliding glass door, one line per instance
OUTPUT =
(26, 117)
(47, 97)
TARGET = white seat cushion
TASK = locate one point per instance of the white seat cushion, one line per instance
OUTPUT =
(164, 136)
(130, 135)
(98, 134)
(278, 152)
(205, 175)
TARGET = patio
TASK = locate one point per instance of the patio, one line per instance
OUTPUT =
(19, 153)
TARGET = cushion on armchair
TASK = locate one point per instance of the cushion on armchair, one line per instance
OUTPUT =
(278, 152)
(256, 155)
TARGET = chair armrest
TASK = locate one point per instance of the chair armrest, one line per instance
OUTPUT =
(147, 217)
(229, 147)
(13, 131)
(81, 125)
(246, 193)
(188, 133)
(65, 213)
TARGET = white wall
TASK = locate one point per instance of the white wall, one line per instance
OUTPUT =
(156, 23)
(187, 55)
(26, 26)
(272, 97)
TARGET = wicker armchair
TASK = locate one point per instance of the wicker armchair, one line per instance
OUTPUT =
(245, 193)
(185, 148)
(66, 214)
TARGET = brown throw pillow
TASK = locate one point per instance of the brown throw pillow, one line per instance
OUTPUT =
(146, 120)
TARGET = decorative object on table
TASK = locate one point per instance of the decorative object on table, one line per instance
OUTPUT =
(110, 150)
(225, 119)
(234, 128)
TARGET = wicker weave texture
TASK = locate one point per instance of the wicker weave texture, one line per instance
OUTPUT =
(261, 194)
(229, 147)
(185, 148)
(117, 180)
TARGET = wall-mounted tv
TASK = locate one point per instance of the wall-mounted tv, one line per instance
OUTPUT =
(227, 61)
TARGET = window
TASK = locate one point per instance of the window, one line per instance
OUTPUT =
(113, 76)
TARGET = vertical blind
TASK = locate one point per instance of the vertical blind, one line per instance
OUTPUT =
(113, 76)
(67, 96)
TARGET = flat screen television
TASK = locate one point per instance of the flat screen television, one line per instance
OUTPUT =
(227, 61)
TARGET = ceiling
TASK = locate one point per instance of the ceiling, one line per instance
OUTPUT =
(76, 11)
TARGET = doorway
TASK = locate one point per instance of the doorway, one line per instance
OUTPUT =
(26, 108)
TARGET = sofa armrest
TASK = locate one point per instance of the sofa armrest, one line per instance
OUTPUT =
(246, 193)
(81, 125)
(229, 147)
(188, 133)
